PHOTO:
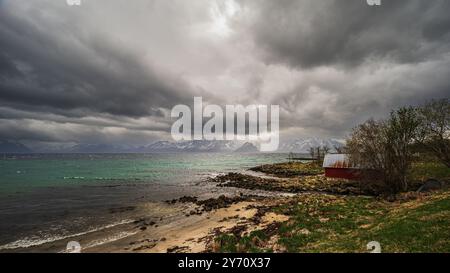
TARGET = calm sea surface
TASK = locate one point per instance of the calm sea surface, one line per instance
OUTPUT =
(49, 197)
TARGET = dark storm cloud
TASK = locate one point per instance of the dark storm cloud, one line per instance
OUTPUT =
(44, 67)
(7, 68)
(152, 123)
(111, 70)
(54, 132)
(310, 33)
(333, 101)
(348, 61)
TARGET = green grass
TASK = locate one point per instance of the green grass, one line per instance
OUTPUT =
(229, 243)
(425, 229)
(417, 229)
(291, 169)
(422, 171)
(346, 224)
(405, 228)
(324, 223)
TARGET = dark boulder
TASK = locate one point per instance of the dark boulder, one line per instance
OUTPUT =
(431, 185)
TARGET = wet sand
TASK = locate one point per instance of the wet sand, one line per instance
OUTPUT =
(172, 232)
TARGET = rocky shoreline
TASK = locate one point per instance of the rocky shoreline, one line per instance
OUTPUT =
(264, 210)
(213, 203)
(300, 184)
(308, 182)
(216, 220)
(289, 169)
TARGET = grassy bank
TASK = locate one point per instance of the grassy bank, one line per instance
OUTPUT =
(414, 222)
(423, 170)
(322, 223)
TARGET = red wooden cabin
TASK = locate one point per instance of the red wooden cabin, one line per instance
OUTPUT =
(338, 166)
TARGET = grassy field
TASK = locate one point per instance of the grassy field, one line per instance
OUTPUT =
(415, 222)
(413, 226)
(321, 223)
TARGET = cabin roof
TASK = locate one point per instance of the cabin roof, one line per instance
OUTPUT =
(338, 161)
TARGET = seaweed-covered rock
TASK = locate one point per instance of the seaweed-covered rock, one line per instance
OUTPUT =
(184, 199)
(290, 169)
(317, 183)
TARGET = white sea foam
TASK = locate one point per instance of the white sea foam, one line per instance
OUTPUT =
(107, 239)
(40, 240)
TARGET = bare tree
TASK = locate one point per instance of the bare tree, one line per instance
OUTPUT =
(434, 128)
(322, 151)
(312, 152)
(366, 149)
(401, 132)
(385, 146)
(325, 149)
(318, 155)
(366, 145)
(339, 149)
(291, 157)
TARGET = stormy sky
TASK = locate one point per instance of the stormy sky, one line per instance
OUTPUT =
(109, 71)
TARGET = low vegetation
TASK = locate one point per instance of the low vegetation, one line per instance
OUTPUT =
(290, 169)
(423, 170)
(324, 223)
(388, 146)
(318, 222)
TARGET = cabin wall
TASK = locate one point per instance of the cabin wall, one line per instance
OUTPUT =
(342, 173)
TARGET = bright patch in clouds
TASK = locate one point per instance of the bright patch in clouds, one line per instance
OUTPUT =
(221, 12)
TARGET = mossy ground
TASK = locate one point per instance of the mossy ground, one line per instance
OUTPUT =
(423, 170)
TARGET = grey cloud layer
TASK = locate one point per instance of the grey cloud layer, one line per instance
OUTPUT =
(312, 33)
(109, 71)
(55, 67)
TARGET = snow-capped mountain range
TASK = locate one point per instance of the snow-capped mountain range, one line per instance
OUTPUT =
(193, 146)
(301, 145)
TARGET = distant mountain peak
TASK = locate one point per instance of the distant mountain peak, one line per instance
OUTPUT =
(193, 146)
(303, 145)
(247, 147)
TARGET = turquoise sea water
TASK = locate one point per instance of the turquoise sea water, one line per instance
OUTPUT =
(55, 195)
(26, 172)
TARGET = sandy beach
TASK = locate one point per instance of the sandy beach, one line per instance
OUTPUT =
(187, 224)
(176, 229)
